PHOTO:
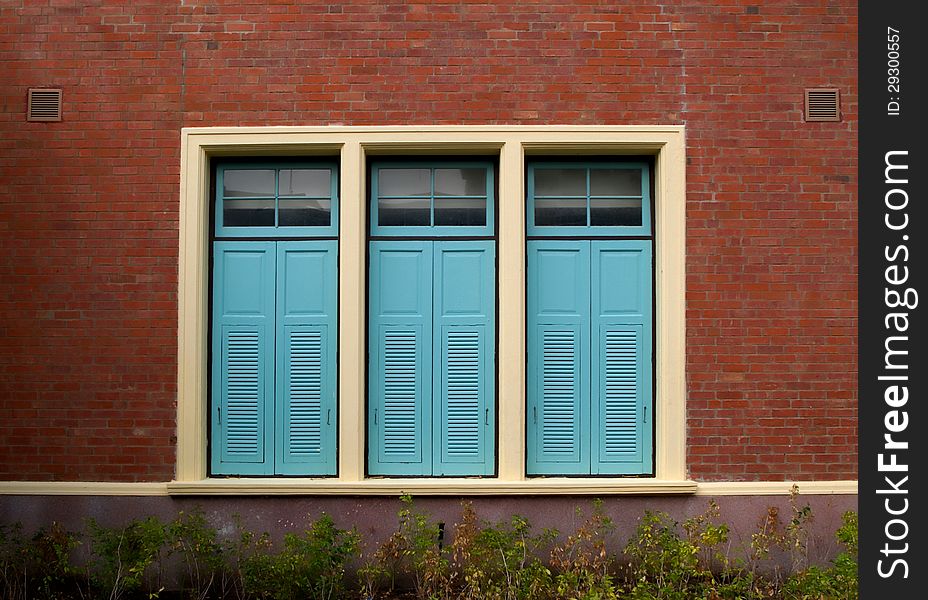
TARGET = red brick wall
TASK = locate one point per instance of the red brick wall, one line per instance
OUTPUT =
(89, 206)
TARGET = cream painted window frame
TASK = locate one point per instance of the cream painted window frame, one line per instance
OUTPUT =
(353, 146)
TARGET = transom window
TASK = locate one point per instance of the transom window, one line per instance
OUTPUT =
(276, 200)
(588, 199)
(421, 199)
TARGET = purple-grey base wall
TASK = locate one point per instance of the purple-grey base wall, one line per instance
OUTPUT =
(375, 517)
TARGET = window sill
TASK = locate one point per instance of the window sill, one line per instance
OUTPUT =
(429, 487)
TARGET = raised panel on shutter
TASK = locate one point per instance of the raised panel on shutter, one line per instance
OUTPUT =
(558, 361)
(399, 414)
(243, 358)
(621, 358)
(306, 415)
(463, 333)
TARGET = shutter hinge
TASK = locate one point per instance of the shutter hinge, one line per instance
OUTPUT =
(645, 414)
(328, 417)
(219, 410)
(487, 418)
(375, 416)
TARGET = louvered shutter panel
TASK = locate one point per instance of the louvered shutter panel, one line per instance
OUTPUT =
(243, 358)
(463, 363)
(558, 362)
(306, 355)
(400, 378)
(621, 356)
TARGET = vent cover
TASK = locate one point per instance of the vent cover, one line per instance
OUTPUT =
(822, 105)
(44, 105)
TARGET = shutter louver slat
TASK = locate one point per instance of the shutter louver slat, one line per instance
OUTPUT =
(400, 386)
(559, 392)
(305, 402)
(243, 392)
(463, 392)
(621, 392)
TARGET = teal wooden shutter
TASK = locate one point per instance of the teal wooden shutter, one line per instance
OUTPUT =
(558, 361)
(400, 357)
(464, 342)
(621, 357)
(243, 358)
(306, 418)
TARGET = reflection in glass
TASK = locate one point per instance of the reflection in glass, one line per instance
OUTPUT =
(305, 182)
(615, 182)
(248, 182)
(560, 182)
(304, 212)
(615, 211)
(248, 213)
(403, 211)
(460, 211)
(460, 182)
(404, 182)
(560, 212)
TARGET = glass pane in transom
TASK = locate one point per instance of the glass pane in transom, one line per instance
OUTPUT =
(615, 182)
(316, 183)
(624, 212)
(404, 182)
(460, 211)
(560, 182)
(248, 182)
(560, 212)
(256, 212)
(296, 212)
(403, 211)
(460, 182)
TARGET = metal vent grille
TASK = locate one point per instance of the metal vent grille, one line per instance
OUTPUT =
(822, 105)
(44, 105)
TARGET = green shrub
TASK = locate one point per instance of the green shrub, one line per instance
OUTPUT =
(500, 561)
(311, 565)
(663, 564)
(124, 557)
(836, 582)
(13, 562)
(581, 563)
(414, 550)
(39, 568)
(194, 539)
(314, 563)
(251, 566)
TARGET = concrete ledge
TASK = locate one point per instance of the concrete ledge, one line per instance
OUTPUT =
(774, 488)
(432, 487)
(555, 486)
(81, 488)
